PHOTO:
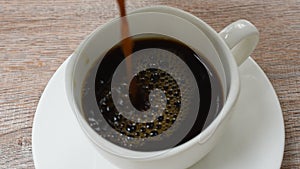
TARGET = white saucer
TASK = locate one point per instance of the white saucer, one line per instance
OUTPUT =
(254, 139)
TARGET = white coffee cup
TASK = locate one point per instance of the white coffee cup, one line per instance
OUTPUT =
(225, 51)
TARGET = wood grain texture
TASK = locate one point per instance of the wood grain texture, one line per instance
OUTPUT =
(37, 36)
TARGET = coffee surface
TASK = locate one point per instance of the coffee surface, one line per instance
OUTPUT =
(156, 134)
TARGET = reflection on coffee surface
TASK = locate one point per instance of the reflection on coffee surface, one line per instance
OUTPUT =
(171, 96)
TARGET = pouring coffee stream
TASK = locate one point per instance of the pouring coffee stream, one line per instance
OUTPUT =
(127, 43)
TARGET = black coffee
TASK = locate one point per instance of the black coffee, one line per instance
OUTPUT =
(156, 134)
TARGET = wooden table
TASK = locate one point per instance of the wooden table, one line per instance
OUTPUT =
(37, 36)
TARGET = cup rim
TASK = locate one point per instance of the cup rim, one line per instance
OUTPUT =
(231, 98)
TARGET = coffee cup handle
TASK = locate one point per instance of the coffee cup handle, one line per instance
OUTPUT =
(241, 37)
